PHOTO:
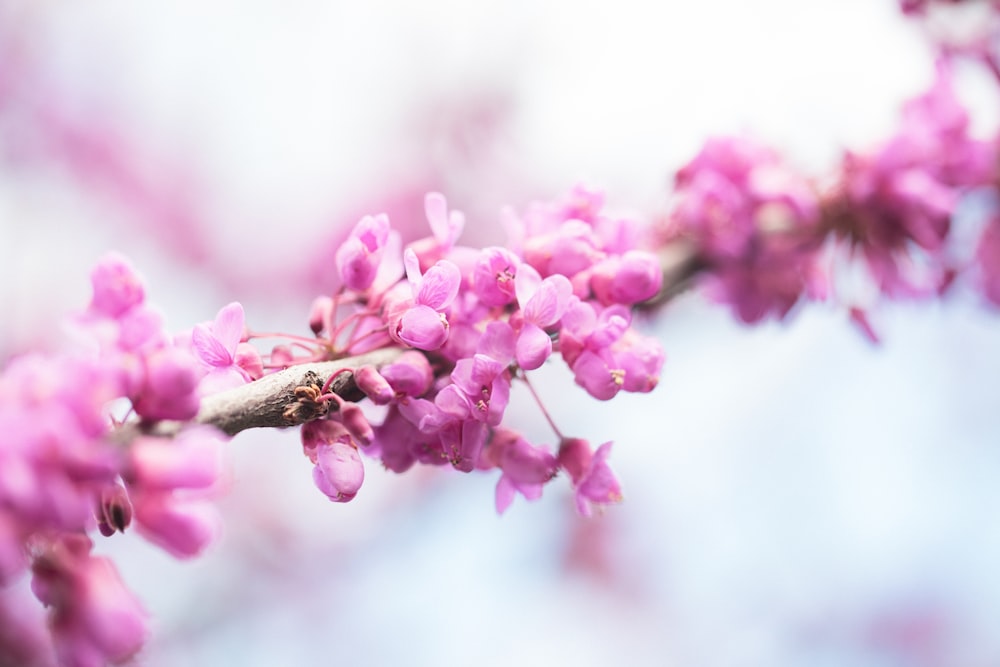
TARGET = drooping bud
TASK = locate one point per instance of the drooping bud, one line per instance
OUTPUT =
(320, 314)
(375, 387)
(339, 471)
(114, 510)
(356, 423)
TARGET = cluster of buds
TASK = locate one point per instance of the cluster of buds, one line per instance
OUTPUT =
(474, 323)
(762, 237)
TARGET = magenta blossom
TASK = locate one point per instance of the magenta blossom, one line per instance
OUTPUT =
(339, 471)
(543, 303)
(423, 324)
(94, 618)
(525, 467)
(117, 287)
(593, 480)
(358, 258)
(218, 346)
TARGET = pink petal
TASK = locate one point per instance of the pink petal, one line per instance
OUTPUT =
(228, 326)
(549, 302)
(436, 209)
(498, 342)
(533, 347)
(526, 283)
(423, 328)
(209, 348)
(440, 285)
(504, 493)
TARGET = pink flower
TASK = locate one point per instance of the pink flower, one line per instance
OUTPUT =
(375, 387)
(410, 375)
(627, 279)
(114, 510)
(543, 303)
(94, 618)
(339, 471)
(117, 287)
(446, 227)
(592, 478)
(167, 480)
(525, 467)
(359, 256)
(182, 528)
(169, 386)
(897, 202)
(230, 363)
(424, 325)
(493, 276)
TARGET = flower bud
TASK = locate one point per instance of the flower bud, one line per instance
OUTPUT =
(339, 471)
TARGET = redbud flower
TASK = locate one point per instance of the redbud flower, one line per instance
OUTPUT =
(410, 375)
(168, 390)
(525, 467)
(94, 618)
(117, 288)
(182, 528)
(217, 346)
(424, 325)
(446, 227)
(593, 479)
(359, 256)
(543, 303)
(627, 279)
(165, 479)
(114, 510)
(493, 276)
(374, 386)
(339, 471)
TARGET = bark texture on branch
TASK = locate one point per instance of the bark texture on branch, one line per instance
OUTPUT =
(273, 401)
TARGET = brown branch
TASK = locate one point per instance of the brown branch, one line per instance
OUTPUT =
(274, 401)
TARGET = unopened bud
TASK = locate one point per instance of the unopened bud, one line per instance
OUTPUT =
(375, 387)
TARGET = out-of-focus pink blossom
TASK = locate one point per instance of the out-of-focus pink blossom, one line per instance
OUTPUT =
(167, 479)
(446, 227)
(753, 224)
(117, 287)
(895, 203)
(359, 256)
(525, 467)
(169, 387)
(493, 277)
(626, 279)
(593, 480)
(94, 618)
(114, 510)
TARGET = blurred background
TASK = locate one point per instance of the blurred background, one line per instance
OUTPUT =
(793, 494)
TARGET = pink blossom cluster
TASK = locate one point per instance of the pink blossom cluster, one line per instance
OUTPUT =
(763, 237)
(752, 222)
(474, 323)
(63, 474)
